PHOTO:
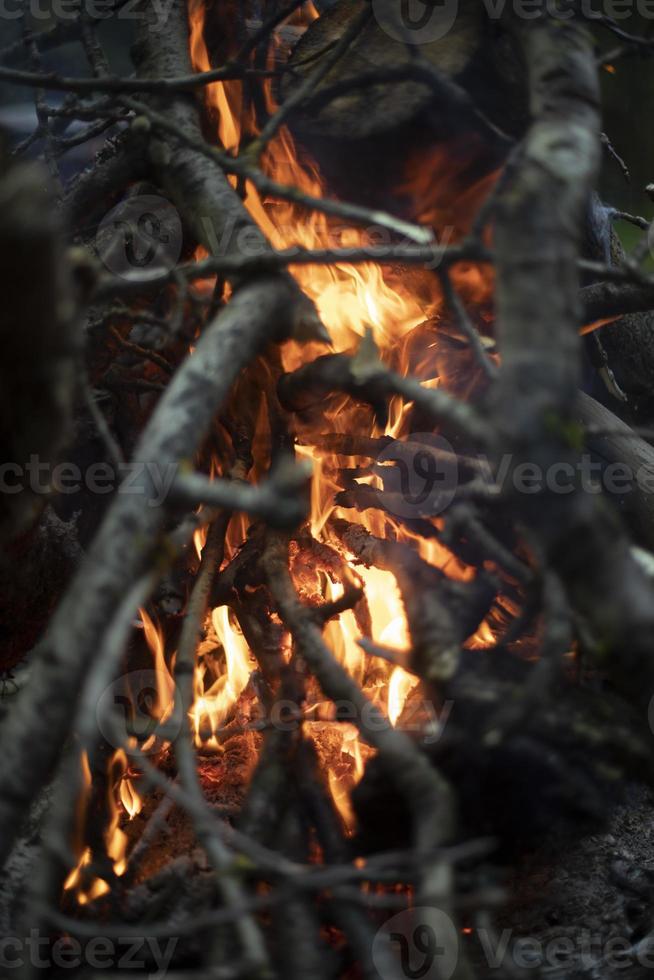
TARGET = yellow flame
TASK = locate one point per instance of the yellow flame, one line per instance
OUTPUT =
(213, 703)
(115, 839)
(350, 300)
(164, 681)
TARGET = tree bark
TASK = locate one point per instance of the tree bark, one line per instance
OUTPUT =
(538, 239)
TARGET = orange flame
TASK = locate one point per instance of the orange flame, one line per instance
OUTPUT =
(350, 299)
(213, 703)
(114, 838)
(164, 681)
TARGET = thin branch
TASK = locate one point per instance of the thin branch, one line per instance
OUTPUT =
(107, 83)
(280, 501)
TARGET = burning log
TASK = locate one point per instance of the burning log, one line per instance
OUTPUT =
(307, 387)
(132, 518)
(301, 949)
(247, 930)
(367, 377)
(440, 613)
(362, 498)
(347, 444)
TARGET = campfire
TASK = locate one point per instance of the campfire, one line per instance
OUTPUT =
(358, 629)
(347, 445)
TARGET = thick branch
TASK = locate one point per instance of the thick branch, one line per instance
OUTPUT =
(538, 242)
(279, 501)
(610, 299)
(426, 793)
(128, 540)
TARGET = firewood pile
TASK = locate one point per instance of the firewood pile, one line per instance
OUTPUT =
(326, 502)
